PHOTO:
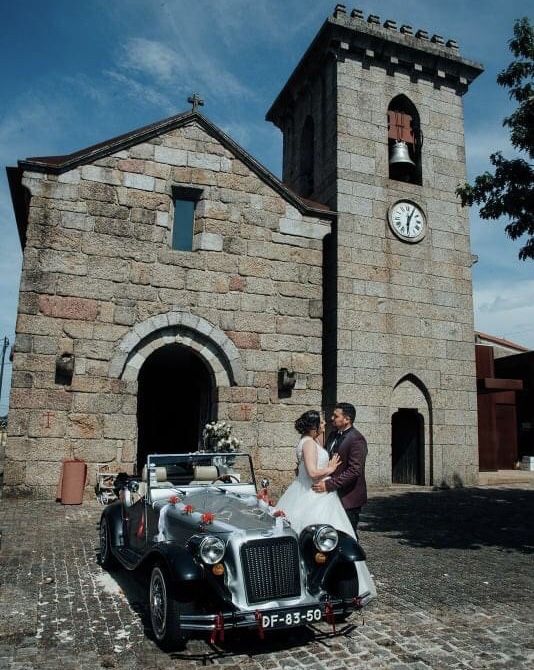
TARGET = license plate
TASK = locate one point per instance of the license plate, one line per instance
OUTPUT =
(299, 617)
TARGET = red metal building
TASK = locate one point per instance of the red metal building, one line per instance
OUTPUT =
(505, 388)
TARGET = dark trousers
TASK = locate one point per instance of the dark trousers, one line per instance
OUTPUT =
(354, 517)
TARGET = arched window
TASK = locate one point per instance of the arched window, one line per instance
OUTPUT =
(405, 140)
(307, 157)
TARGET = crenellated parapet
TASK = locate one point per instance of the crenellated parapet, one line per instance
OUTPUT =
(378, 43)
(374, 23)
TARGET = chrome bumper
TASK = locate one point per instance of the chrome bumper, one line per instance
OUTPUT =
(252, 618)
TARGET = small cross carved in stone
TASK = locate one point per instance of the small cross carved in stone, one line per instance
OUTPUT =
(196, 101)
(48, 415)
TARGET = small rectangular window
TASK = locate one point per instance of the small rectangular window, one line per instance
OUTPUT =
(185, 200)
(182, 230)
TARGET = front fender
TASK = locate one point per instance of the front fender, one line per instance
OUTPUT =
(349, 550)
(113, 515)
(181, 566)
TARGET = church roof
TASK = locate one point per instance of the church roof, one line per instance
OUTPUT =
(60, 164)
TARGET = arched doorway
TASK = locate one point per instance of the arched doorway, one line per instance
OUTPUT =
(412, 459)
(407, 447)
(176, 397)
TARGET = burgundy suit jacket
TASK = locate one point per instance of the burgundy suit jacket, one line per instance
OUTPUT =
(349, 478)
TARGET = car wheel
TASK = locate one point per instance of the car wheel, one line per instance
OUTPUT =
(344, 584)
(106, 558)
(345, 581)
(165, 611)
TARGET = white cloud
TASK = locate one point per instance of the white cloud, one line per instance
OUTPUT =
(151, 58)
(506, 309)
(233, 19)
(481, 142)
(88, 88)
(142, 93)
(32, 125)
(182, 69)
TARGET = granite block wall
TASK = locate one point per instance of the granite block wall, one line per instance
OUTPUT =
(100, 280)
(404, 309)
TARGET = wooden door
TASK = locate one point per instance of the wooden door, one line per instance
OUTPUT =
(407, 447)
(506, 436)
(487, 434)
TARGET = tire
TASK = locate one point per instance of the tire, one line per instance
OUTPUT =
(165, 610)
(344, 584)
(106, 558)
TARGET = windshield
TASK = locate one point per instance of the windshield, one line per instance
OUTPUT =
(199, 469)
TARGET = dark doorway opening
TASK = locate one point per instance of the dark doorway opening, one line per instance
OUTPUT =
(175, 400)
(407, 447)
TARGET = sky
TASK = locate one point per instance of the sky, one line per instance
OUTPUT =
(77, 73)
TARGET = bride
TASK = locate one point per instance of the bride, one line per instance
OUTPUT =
(303, 506)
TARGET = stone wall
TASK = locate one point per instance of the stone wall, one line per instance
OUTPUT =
(98, 263)
(404, 309)
(393, 310)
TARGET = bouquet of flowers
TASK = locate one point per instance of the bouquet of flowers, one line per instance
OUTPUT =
(217, 436)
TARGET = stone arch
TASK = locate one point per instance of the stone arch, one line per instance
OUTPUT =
(417, 382)
(410, 392)
(402, 105)
(210, 343)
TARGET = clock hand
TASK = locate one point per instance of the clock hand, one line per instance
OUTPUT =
(408, 220)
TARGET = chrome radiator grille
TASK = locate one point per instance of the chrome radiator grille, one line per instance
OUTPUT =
(271, 569)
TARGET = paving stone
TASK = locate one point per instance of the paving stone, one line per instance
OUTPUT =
(453, 571)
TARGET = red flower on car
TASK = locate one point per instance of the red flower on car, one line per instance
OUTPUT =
(208, 517)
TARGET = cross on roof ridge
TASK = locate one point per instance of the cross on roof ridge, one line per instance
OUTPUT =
(196, 101)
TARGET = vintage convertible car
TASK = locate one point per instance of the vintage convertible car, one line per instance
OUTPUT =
(221, 556)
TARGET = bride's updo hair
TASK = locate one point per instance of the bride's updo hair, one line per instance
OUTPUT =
(310, 420)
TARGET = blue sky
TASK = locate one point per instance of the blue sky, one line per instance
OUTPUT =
(76, 73)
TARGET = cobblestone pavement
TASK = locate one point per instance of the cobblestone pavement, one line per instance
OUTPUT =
(454, 570)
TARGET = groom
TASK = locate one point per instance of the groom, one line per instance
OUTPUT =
(349, 478)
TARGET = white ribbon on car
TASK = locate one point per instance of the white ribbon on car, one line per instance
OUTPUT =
(195, 516)
(160, 537)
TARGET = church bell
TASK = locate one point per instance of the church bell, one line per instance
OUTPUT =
(399, 155)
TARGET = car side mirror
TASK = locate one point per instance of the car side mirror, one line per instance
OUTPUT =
(133, 486)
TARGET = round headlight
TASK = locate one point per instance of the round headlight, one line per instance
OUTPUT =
(211, 550)
(325, 538)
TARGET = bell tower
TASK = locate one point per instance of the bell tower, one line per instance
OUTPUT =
(372, 124)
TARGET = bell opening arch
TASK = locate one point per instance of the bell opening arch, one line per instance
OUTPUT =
(405, 140)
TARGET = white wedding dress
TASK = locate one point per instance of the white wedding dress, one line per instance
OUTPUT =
(304, 507)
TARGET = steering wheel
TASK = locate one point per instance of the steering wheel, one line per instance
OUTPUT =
(227, 479)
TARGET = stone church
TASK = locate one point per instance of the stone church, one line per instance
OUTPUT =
(169, 279)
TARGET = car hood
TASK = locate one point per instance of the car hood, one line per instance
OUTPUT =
(231, 512)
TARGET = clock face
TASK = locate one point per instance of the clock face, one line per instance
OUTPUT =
(407, 221)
